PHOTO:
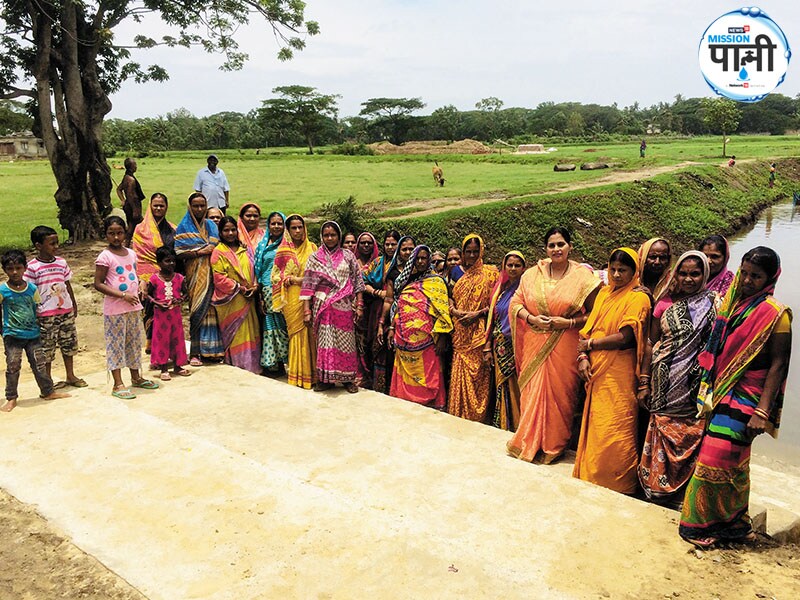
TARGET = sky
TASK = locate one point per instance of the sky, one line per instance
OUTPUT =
(456, 52)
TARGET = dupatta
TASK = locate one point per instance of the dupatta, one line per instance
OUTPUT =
(663, 282)
(373, 255)
(473, 291)
(499, 291)
(265, 257)
(721, 282)
(290, 261)
(249, 239)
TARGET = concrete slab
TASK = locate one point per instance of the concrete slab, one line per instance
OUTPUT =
(228, 485)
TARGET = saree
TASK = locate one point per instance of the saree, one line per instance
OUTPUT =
(274, 338)
(498, 332)
(191, 236)
(470, 378)
(721, 282)
(420, 314)
(290, 261)
(548, 374)
(663, 283)
(249, 239)
(365, 333)
(331, 281)
(148, 237)
(607, 453)
(674, 432)
(238, 320)
(731, 384)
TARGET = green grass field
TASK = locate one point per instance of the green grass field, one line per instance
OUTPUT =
(290, 181)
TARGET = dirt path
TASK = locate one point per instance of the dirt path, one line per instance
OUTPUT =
(433, 206)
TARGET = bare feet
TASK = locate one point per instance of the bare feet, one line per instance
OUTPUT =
(9, 405)
(55, 396)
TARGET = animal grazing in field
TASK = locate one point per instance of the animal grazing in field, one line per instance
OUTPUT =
(438, 174)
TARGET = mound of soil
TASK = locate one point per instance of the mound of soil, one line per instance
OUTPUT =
(432, 147)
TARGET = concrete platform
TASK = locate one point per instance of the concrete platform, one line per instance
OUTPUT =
(226, 485)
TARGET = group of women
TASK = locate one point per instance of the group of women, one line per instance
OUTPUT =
(678, 367)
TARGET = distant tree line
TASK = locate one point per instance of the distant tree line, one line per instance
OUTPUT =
(303, 116)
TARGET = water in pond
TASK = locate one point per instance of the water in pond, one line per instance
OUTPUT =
(778, 227)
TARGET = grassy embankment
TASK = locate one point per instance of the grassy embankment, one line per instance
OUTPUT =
(294, 182)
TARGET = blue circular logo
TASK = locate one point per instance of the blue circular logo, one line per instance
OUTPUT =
(744, 55)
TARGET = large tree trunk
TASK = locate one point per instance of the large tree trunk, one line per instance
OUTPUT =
(69, 91)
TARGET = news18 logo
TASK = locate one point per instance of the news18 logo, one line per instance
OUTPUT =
(744, 55)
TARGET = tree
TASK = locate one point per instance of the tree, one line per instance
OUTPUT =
(13, 117)
(300, 107)
(490, 116)
(62, 54)
(446, 122)
(721, 115)
(391, 114)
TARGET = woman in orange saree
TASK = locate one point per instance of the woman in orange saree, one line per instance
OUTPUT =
(547, 311)
(287, 278)
(611, 350)
(470, 378)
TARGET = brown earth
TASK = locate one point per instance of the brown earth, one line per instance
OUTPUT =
(433, 147)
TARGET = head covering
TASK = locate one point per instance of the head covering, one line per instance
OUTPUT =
(502, 288)
(407, 275)
(330, 258)
(722, 280)
(191, 234)
(375, 248)
(249, 239)
(673, 281)
(478, 264)
(148, 237)
(265, 257)
(661, 285)
(290, 260)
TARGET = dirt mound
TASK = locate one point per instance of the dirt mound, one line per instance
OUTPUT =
(432, 147)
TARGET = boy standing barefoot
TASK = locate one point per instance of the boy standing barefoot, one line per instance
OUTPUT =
(57, 312)
(18, 300)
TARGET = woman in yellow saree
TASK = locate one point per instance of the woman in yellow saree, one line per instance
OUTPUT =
(287, 278)
(611, 350)
(470, 378)
(235, 286)
(550, 306)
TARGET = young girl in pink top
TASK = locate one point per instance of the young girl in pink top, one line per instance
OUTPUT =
(165, 290)
(115, 277)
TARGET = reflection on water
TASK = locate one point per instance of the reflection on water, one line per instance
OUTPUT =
(778, 228)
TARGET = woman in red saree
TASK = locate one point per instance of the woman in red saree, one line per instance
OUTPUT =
(470, 379)
(419, 318)
(744, 367)
(550, 306)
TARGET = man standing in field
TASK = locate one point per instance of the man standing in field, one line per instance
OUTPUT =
(130, 194)
(212, 183)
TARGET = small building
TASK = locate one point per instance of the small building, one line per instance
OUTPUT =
(22, 144)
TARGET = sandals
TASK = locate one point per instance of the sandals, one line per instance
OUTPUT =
(77, 383)
(182, 372)
(123, 394)
(145, 384)
(165, 376)
(351, 387)
(322, 387)
(195, 362)
(702, 543)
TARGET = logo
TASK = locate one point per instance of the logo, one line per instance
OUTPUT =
(744, 55)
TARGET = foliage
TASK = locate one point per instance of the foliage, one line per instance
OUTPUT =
(352, 149)
(391, 117)
(63, 55)
(721, 115)
(14, 118)
(300, 107)
(350, 216)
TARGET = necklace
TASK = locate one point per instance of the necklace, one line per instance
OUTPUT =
(550, 268)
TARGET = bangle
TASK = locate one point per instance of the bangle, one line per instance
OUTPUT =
(589, 344)
(571, 323)
(761, 413)
(487, 349)
(583, 356)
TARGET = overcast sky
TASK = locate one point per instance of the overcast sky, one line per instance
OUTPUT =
(457, 52)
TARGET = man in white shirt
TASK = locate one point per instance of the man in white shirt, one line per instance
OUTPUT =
(212, 183)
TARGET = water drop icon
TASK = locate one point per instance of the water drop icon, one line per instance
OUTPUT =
(743, 74)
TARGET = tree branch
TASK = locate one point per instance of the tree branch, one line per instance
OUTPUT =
(16, 93)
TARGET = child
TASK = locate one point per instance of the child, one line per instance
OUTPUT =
(51, 275)
(732, 161)
(18, 300)
(115, 276)
(165, 290)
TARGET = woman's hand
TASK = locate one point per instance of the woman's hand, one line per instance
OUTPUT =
(585, 369)
(469, 318)
(307, 317)
(130, 298)
(205, 251)
(558, 323)
(487, 354)
(358, 314)
(390, 337)
(583, 345)
(379, 337)
(756, 425)
(642, 396)
(539, 322)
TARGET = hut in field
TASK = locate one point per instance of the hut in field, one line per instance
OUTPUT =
(22, 144)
